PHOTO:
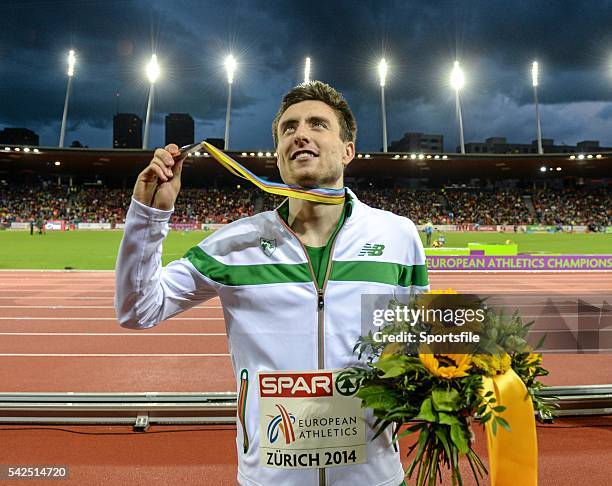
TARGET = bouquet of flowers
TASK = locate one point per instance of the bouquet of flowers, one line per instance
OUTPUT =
(441, 395)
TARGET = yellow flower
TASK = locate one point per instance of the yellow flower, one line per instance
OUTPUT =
(442, 291)
(534, 359)
(447, 366)
(492, 364)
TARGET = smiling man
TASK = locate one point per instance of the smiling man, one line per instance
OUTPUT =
(290, 282)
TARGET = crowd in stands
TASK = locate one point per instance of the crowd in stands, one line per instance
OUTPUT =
(573, 206)
(505, 207)
(569, 206)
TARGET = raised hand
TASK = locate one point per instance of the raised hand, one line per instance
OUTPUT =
(159, 183)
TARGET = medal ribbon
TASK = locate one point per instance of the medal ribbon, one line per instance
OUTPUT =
(317, 194)
(513, 456)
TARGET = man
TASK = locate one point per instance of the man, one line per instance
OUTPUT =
(428, 232)
(290, 282)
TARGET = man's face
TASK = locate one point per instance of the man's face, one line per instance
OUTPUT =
(310, 150)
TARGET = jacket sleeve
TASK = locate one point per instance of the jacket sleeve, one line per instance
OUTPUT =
(420, 277)
(145, 292)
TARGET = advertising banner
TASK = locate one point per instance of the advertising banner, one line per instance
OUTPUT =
(20, 225)
(520, 262)
(184, 226)
(55, 225)
(310, 419)
(94, 226)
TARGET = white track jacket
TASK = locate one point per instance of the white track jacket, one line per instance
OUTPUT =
(276, 316)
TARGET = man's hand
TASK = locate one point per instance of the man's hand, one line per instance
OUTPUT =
(159, 184)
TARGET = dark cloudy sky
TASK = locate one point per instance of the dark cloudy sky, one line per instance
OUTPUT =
(496, 41)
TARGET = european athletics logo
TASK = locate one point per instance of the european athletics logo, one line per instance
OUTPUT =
(283, 421)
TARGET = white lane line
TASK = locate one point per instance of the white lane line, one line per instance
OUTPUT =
(140, 334)
(46, 355)
(37, 289)
(493, 303)
(101, 319)
(85, 307)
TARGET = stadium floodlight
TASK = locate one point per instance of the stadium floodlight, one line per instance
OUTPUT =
(230, 67)
(457, 82)
(153, 72)
(382, 72)
(71, 64)
(534, 82)
(307, 70)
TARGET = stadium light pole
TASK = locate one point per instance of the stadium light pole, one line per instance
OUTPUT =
(152, 74)
(457, 82)
(534, 82)
(307, 70)
(230, 67)
(382, 72)
(71, 64)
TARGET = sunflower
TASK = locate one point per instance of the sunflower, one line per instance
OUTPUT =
(446, 366)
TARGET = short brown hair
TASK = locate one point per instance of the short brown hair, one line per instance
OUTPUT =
(319, 91)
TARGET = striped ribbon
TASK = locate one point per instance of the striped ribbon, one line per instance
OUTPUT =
(242, 399)
(318, 194)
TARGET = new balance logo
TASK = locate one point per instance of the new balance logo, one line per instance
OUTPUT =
(370, 249)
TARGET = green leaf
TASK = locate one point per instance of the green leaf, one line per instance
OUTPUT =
(448, 419)
(441, 434)
(377, 397)
(459, 438)
(427, 412)
(445, 401)
(499, 408)
(392, 366)
(503, 423)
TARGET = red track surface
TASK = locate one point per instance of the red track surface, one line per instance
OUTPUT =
(58, 333)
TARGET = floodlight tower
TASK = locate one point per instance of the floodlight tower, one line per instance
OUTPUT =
(382, 72)
(230, 67)
(534, 82)
(457, 82)
(307, 70)
(152, 74)
(71, 64)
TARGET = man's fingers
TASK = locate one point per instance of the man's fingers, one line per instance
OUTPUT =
(172, 149)
(159, 172)
(165, 156)
(164, 168)
(178, 168)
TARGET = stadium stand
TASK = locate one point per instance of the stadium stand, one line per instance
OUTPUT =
(218, 205)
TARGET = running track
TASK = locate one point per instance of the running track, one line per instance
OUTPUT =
(58, 333)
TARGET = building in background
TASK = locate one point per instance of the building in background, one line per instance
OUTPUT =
(19, 136)
(500, 145)
(216, 142)
(179, 129)
(418, 142)
(127, 131)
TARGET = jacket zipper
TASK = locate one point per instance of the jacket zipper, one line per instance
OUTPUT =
(320, 293)
(320, 310)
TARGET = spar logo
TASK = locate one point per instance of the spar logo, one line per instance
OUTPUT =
(296, 385)
(282, 422)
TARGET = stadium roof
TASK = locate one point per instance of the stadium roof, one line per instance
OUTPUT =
(78, 162)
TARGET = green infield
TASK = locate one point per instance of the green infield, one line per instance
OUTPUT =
(97, 250)
(564, 243)
(80, 250)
